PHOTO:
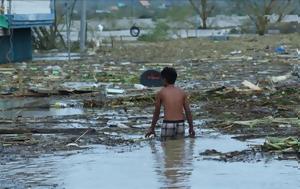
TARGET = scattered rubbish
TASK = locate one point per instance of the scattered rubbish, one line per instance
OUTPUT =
(54, 70)
(220, 36)
(79, 87)
(23, 66)
(280, 50)
(100, 28)
(284, 125)
(17, 139)
(134, 31)
(212, 91)
(119, 124)
(42, 90)
(8, 91)
(251, 85)
(247, 155)
(298, 52)
(72, 145)
(289, 144)
(211, 152)
(141, 126)
(140, 87)
(276, 79)
(114, 91)
(236, 52)
(66, 104)
(151, 78)
(44, 130)
(8, 71)
(296, 71)
(269, 120)
(59, 105)
(125, 63)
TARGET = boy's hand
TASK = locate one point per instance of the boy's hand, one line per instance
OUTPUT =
(191, 132)
(150, 132)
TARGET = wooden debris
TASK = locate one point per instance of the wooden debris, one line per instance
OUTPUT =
(251, 86)
(269, 120)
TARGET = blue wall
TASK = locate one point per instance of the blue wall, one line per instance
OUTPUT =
(32, 20)
(16, 47)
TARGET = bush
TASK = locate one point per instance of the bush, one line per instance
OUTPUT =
(159, 33)
(248, 27)
(285, 28)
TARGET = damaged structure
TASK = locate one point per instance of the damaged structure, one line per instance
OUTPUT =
(16, 20)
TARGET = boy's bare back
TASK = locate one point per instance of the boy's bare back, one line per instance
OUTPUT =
(173, 100)
(176, 107)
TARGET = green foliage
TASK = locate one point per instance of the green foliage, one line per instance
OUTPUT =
(281, 144)
(179, 14)
(159, 33)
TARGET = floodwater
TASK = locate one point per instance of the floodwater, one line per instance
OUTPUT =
(43, 107)
(56, 57)
(153, 164)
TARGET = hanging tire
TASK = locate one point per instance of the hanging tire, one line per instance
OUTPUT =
(135, 31)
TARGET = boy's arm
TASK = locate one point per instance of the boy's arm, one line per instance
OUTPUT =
(188, 115)
(156, 114)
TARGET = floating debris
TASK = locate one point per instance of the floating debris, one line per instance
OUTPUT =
(114, 91)
(288, 144)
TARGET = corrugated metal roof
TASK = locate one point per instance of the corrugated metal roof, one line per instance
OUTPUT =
(30, 13)
(32, 20)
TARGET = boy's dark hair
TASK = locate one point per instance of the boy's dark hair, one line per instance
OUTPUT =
(169, 74)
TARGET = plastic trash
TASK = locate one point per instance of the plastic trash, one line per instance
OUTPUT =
(115, 91)
(72, 145)
(251, 86)
(140, 86)
(59, 105)
(119, 124)
(235, 52)
(296, 71)
(280, 50)
(100, 27)
(54, 70)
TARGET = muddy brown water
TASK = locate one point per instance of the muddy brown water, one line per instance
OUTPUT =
(154, 164)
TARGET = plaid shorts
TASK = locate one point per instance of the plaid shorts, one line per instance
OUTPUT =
(172, 128)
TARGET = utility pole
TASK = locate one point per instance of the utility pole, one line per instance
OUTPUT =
(68, 24)
(9, 9)
(83, 26)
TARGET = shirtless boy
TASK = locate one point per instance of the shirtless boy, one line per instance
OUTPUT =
(174, 101)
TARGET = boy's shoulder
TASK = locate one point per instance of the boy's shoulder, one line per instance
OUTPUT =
(164, 89)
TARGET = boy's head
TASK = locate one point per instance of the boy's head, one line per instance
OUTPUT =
(169, 75)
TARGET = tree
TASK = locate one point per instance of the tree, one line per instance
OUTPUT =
(180, 14)
(2, 10)
(203, 8)
(259, 12)
(45, 38)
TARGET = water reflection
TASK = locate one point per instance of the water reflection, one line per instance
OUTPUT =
(174, 162)
(30, 107)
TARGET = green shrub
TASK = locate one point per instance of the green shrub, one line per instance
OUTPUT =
(159, 33)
